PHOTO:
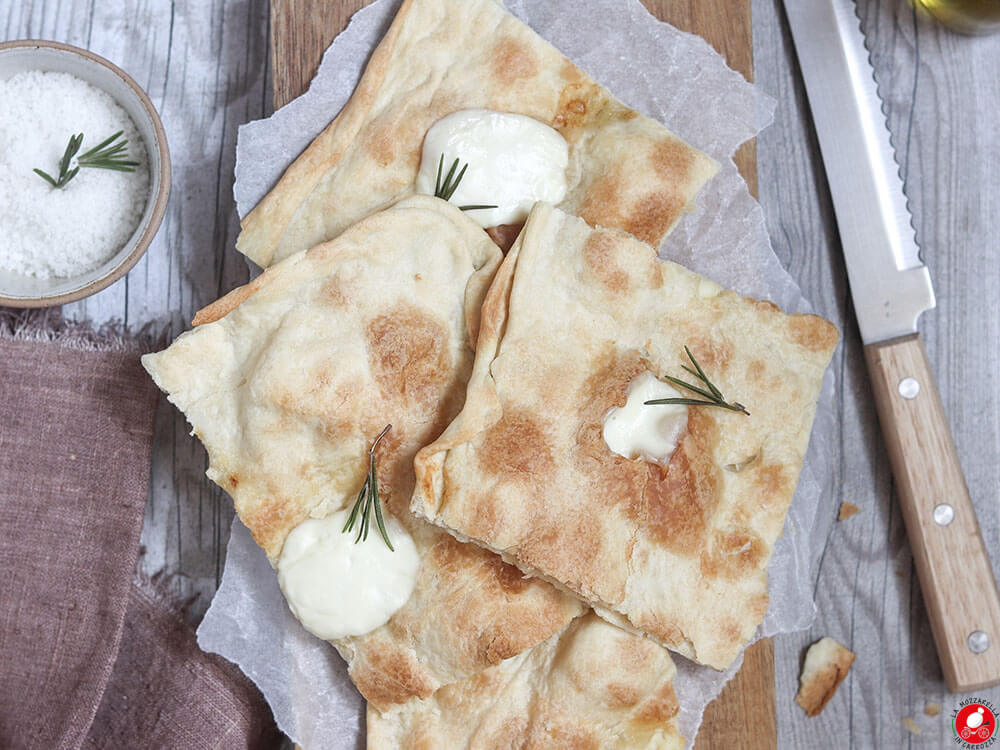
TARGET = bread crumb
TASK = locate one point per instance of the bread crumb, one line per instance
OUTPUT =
(911, 726)
(827, 664)
(932, 709)
(847, 510)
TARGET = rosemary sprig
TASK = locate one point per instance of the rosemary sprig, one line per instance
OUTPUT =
(367, 500)
(65, 173)
(444, 190)
(108, 154)
(711, 397)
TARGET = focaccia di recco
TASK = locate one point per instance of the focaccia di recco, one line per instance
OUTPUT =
(592, 685)
(441, 56)
(678, 552)
(554, 574)
(287, 380)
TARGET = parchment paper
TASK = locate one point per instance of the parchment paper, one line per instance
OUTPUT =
(667, 74)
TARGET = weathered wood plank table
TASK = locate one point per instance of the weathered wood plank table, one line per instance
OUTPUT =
(208, 68)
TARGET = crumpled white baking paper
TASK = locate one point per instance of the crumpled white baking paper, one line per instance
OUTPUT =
(667, 74)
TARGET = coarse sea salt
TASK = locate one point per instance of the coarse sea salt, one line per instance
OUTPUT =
(47, 232)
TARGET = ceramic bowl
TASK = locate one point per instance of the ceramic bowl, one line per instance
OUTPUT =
(17, 290)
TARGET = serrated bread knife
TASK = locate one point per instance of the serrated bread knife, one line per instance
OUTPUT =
(891, 287)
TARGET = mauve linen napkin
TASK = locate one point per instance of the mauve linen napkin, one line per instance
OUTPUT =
(89, 657)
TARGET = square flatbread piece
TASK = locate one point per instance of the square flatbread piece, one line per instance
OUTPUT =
(297, 373)
(591, 686)
(440, 56)
(678, 552)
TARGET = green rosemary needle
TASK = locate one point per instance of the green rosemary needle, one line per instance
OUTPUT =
(445, 189)
(711, 397)
(368, 499)
(110, 153)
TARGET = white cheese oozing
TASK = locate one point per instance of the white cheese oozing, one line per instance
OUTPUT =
(514, 161)
(652, 432)
(337, 588)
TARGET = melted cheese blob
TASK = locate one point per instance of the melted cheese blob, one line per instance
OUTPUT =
(514, 161)
(652, 432)
(337, 588)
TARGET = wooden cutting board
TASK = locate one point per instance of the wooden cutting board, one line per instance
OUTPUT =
(743, 717)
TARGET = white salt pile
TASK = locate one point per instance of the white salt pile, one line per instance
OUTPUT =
(47, 232)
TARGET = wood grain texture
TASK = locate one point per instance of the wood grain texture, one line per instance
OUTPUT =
(206, 68)
(743, 717)
(927, 472)
(301, 30)
(940, 89)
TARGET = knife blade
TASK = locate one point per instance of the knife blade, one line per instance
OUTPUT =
(890, 288)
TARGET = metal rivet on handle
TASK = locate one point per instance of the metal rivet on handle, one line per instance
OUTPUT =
(978, 641)
(909, 388)
(943, 514)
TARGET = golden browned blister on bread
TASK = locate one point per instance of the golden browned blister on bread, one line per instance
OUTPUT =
(591, 686)
(295, 375)
(441, 56)
(678, 552)
(827, 664)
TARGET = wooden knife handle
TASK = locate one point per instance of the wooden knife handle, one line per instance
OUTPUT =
(956, 579)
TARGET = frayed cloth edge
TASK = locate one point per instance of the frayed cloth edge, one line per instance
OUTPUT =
(49, 326)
